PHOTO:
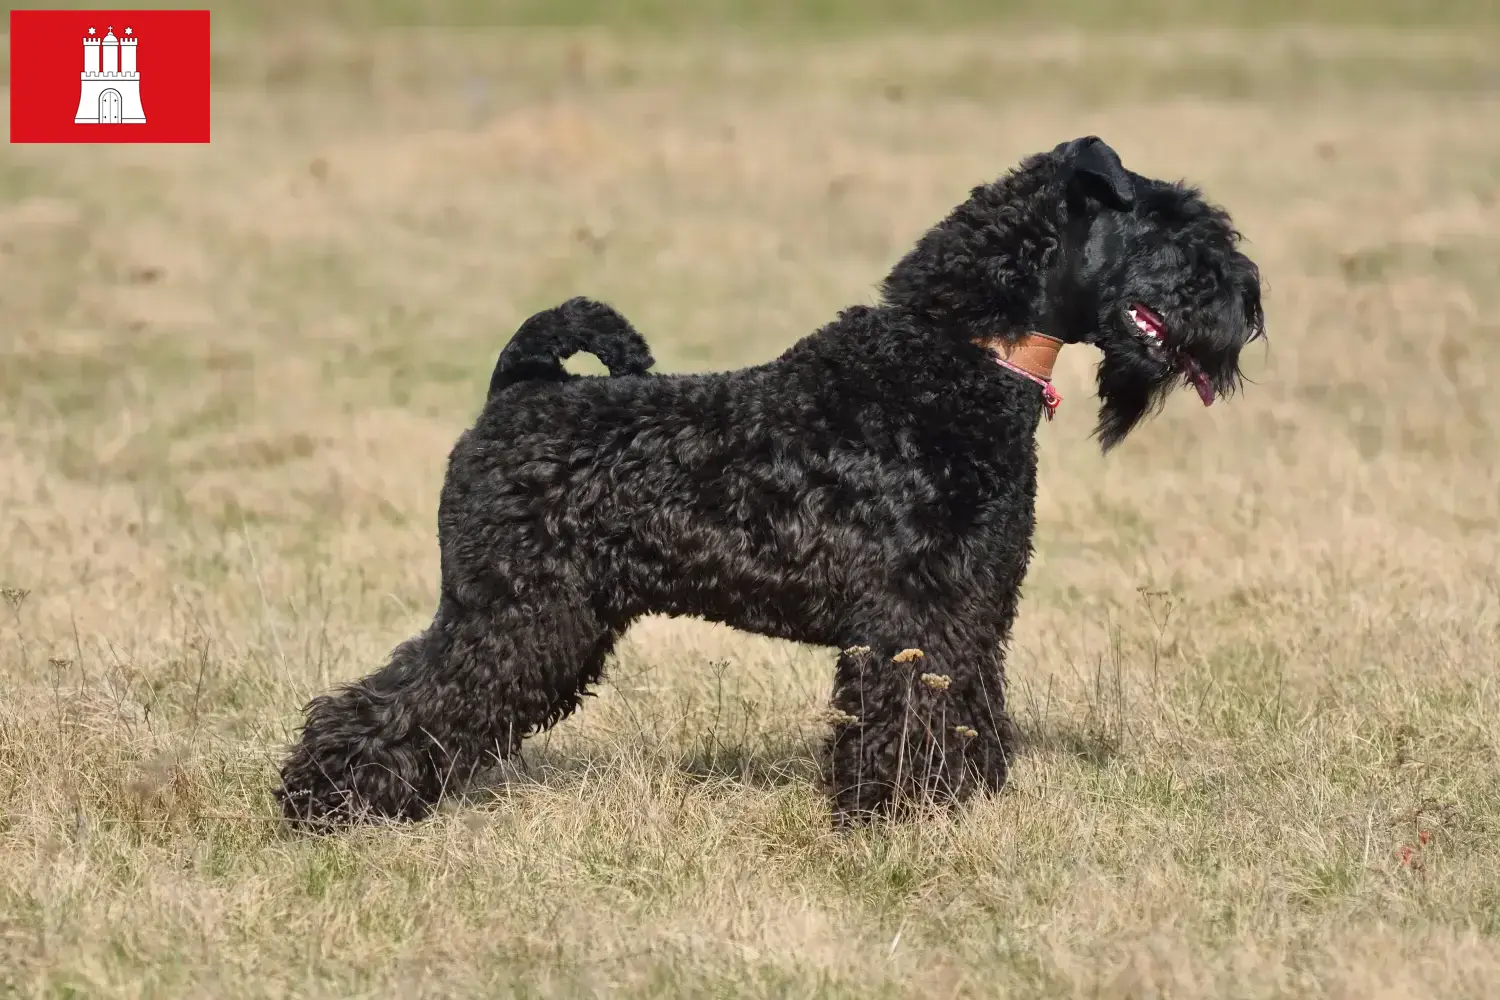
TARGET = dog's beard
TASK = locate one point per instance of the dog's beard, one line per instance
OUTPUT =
(1133, 386)
(1130, 388)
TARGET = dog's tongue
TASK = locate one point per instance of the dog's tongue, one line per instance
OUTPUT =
(1200, 381)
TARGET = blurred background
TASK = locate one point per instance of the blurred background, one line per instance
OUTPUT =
(1256, 653)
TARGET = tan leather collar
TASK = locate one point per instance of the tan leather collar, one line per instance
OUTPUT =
(1033, 353)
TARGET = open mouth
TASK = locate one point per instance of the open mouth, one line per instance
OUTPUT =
(1153, 331)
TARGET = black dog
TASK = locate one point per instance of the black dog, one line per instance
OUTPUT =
(872, 489)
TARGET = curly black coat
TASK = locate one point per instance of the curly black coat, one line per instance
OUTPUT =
(871, 489)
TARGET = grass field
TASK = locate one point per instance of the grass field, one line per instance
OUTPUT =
(1256, 663)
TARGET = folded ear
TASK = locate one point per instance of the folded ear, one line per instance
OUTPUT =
(1090, 167)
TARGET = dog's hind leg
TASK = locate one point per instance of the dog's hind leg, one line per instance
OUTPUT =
(452, 699)
(915, 721)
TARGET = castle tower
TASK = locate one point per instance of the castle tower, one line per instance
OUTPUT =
(91, 54)
(110, 91)
(111, 52)
(127, 52)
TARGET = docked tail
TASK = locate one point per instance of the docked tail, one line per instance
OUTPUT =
(547, 339)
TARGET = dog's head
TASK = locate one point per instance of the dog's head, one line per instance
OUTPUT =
(1074, 245)
(1151, 274)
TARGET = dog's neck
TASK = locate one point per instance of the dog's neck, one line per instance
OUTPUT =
(1031, 356)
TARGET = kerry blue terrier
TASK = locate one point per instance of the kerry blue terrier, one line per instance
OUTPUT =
(871, 490)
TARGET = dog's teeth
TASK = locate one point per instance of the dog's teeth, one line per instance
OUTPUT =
(1146, 328)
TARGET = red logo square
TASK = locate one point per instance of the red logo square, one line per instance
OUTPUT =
(109, 76)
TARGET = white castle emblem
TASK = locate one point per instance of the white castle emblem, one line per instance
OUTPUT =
(111, 91)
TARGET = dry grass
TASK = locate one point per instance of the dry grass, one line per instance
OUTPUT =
(1257, 655)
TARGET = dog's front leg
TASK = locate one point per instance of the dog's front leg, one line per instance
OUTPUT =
(915, 723)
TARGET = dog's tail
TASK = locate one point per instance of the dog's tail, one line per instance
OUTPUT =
(538, 349)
